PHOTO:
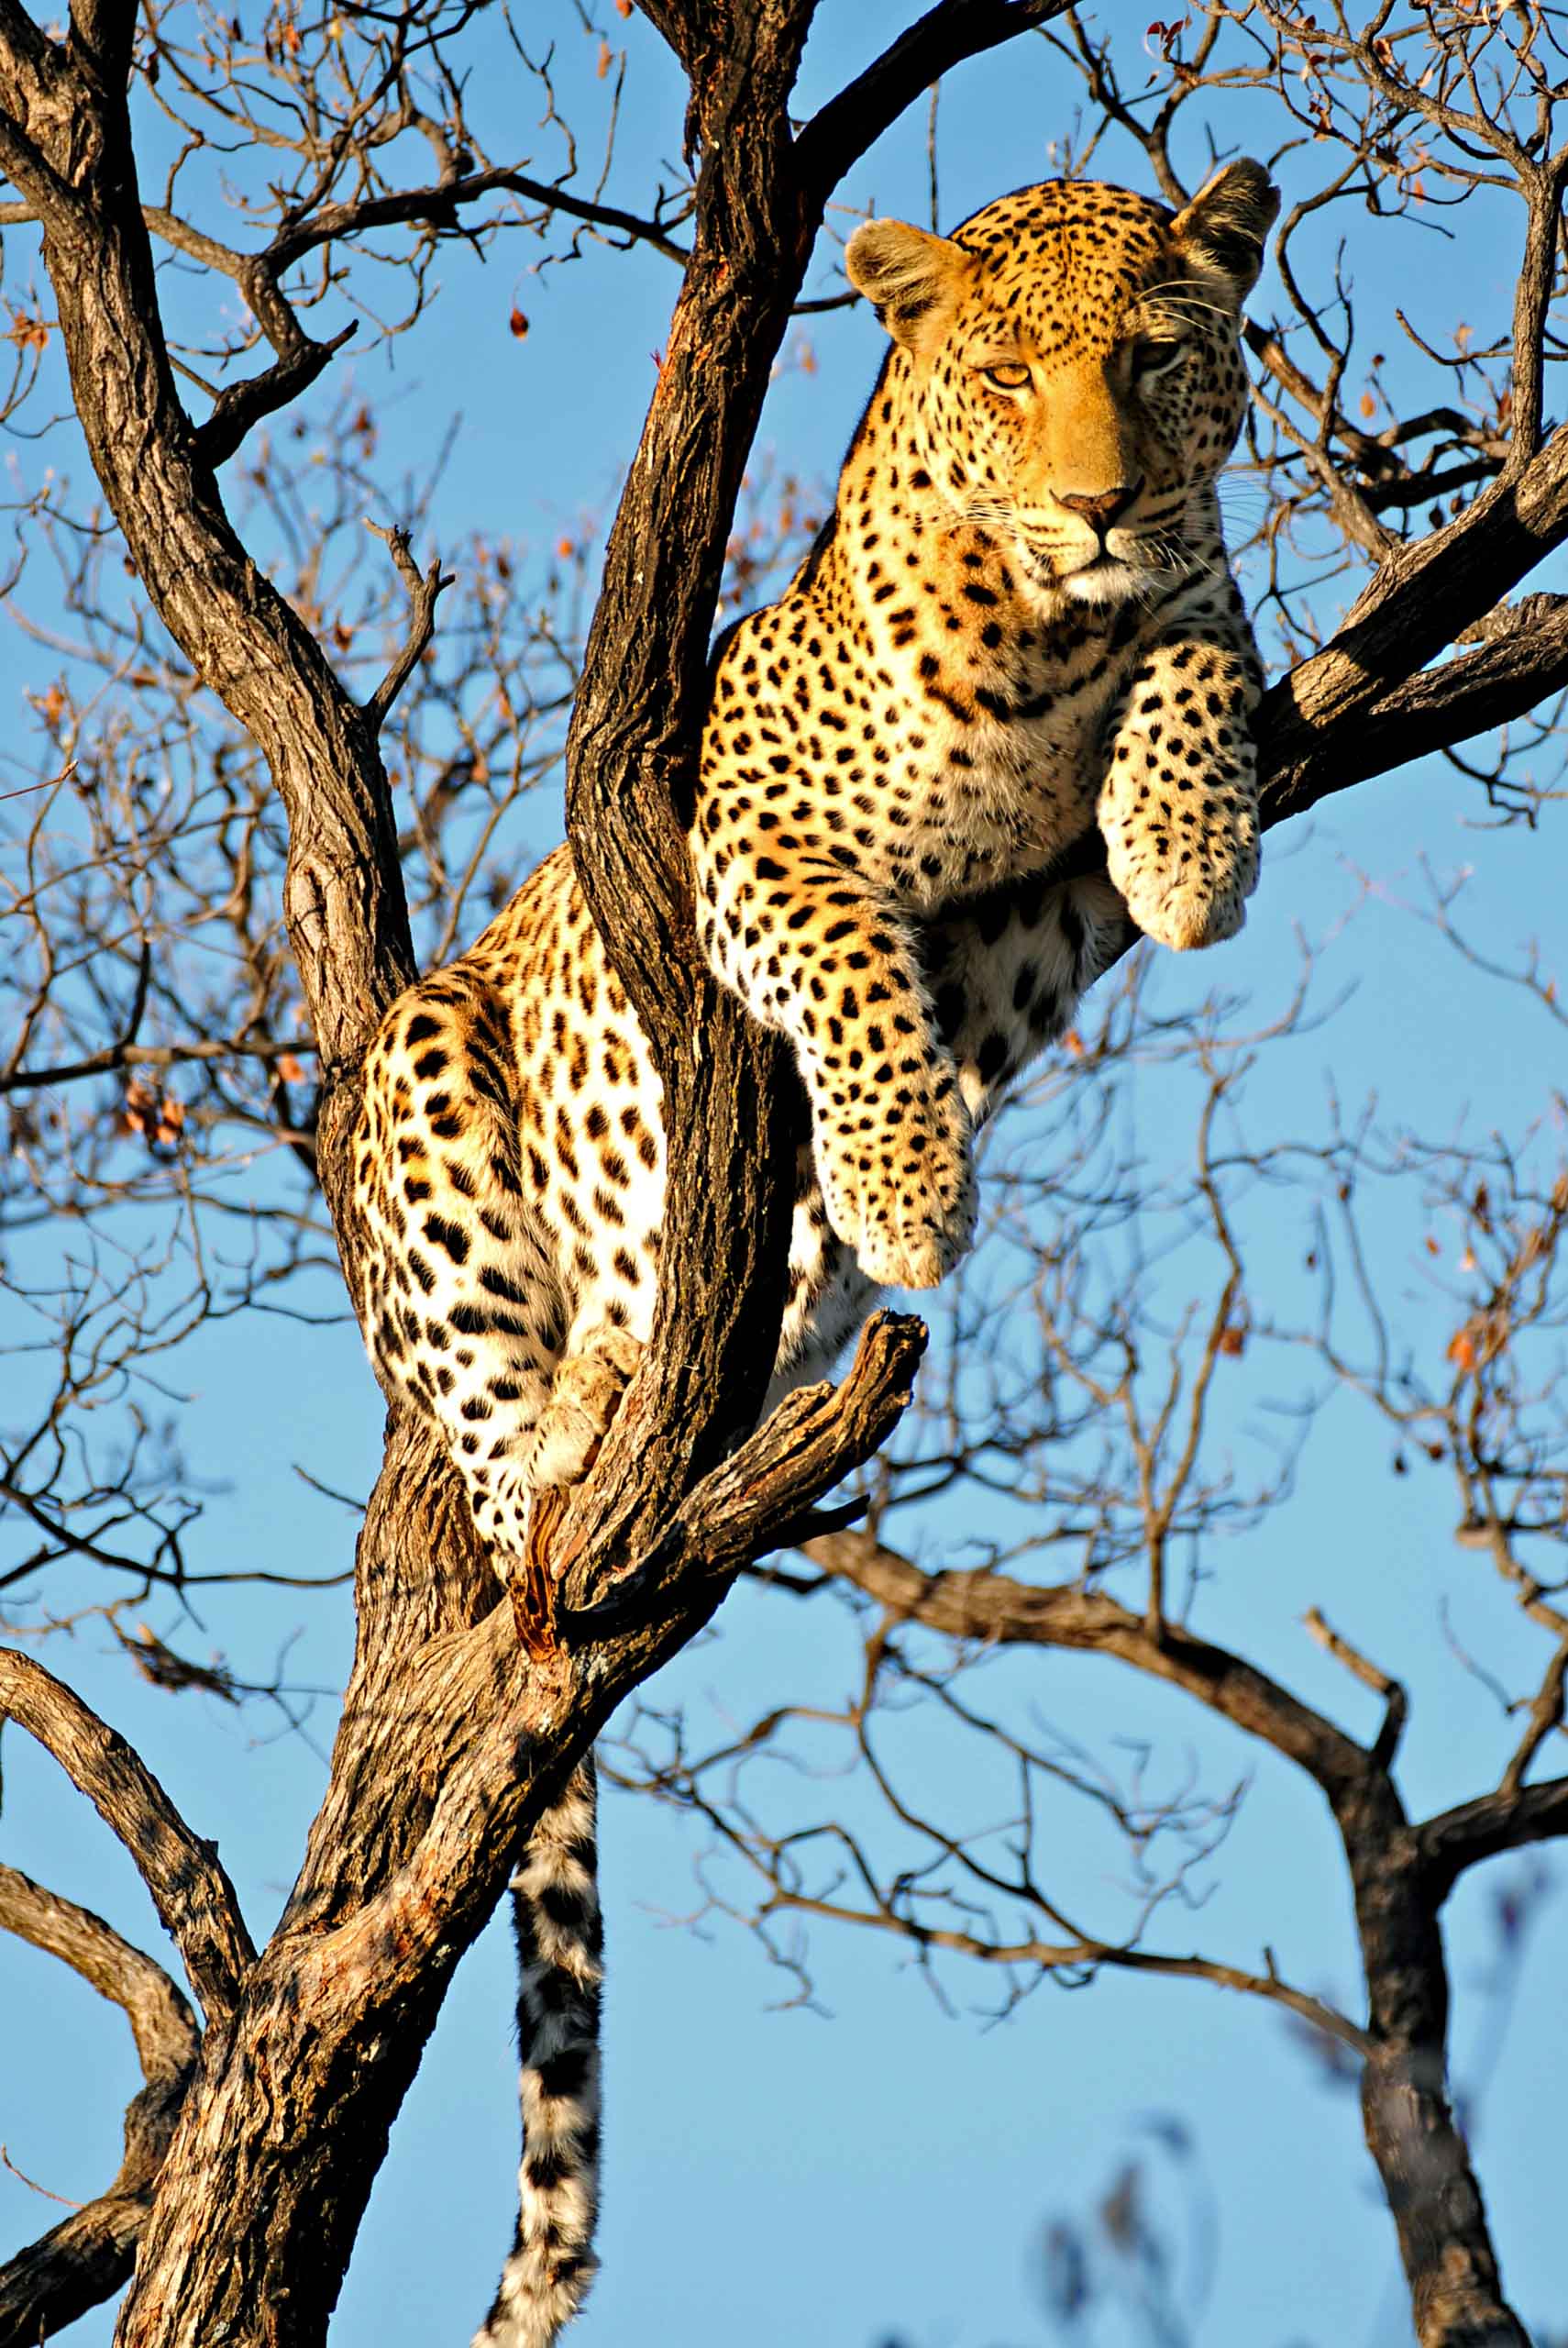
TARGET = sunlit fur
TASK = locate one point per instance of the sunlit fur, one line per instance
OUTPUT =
(966, 677)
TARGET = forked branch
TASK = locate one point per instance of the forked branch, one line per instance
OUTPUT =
(79, 2262)
(191, 1891)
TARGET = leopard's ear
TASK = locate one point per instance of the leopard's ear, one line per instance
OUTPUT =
(1225, 227)
(913, 280)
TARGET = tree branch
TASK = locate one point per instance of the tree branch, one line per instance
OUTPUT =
(1397, 1872)
(239, 407)
(1001, 1611)
(161, 2021)
(1360, 706)
(1084, 1955)
(423, 593)
(1494, 1822)
(840, 132)
(79, 2262)
(1395, 1703)
(191, 1891)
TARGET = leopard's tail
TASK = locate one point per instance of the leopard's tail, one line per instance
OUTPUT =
(560, 1940)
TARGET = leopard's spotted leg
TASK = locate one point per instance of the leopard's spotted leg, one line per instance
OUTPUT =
(1178, 808)
(467, 1321)
(810, 950)
(1007, 973)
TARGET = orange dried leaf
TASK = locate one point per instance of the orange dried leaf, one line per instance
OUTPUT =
(1462, 1350)
(1368, 405)
(288, 1068)
(605, 54)
(1234, 1339)
(1073, 1044)
(517, 324)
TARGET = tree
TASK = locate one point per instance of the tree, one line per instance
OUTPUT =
(272, 824)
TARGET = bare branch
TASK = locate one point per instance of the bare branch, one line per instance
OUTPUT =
(1461, 1838)
(1395, 1703)
(190, 1887)
(1000, 1610)
(81, 2261)
(841, 130)
(239, 407)
(423, 594)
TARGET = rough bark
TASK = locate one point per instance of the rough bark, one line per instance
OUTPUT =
(448, 1745)
(88, 2255)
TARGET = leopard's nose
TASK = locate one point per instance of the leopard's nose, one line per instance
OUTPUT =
(1105, 509)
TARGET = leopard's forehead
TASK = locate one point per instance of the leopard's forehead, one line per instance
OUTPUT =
(1068, 256)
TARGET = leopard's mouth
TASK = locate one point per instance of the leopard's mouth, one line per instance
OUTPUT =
(1097, 577)
(1104, 579)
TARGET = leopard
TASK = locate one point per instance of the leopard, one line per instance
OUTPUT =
(1017, 633)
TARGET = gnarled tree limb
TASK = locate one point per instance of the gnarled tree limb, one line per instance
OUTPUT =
(191, 1891)
(89, 2254)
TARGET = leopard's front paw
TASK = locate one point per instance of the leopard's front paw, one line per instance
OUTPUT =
(902, 1195)
(1184, 914)
(1185, 882)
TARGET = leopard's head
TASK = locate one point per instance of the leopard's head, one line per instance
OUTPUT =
(1066, 369)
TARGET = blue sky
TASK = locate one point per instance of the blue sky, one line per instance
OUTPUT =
(885, 2171)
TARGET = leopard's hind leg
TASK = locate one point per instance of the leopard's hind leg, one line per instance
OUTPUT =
(459, 1293)
(468, 1320)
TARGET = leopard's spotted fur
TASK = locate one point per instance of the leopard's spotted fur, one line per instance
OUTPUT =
(1018, 624)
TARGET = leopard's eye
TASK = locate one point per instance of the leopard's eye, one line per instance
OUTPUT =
(1154, 355)
(1008, 375)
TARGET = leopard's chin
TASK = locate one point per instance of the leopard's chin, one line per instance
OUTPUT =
(1106, 580)
(1053, 585)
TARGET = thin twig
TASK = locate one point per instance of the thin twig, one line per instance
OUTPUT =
(1395, 1703)
(424, 591)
